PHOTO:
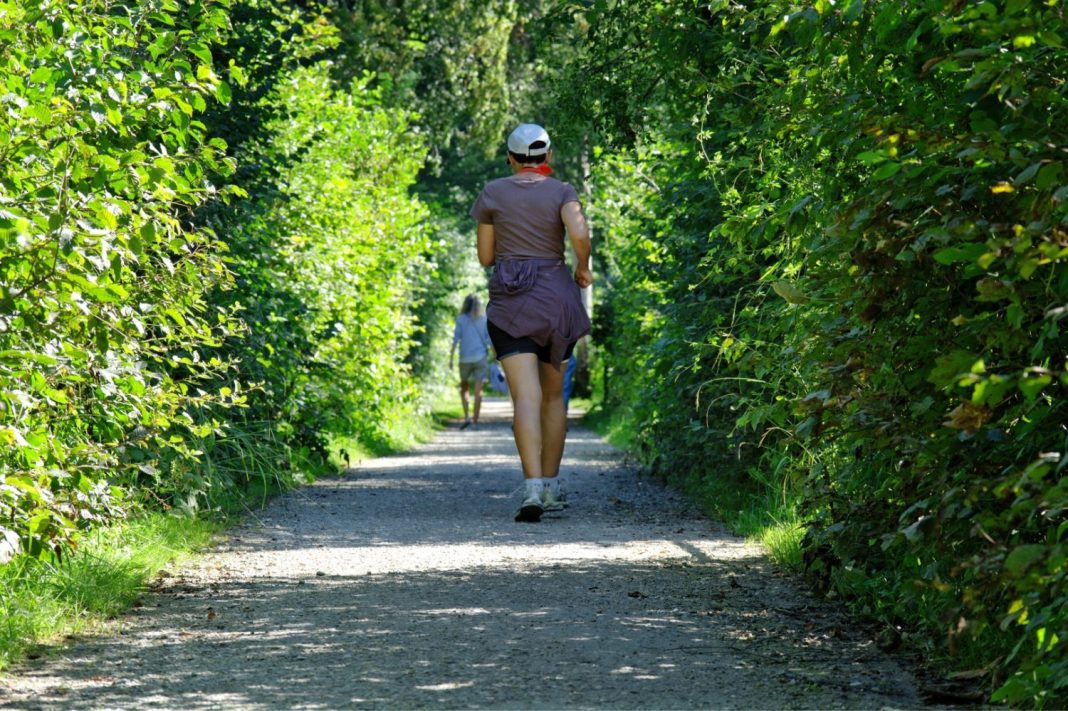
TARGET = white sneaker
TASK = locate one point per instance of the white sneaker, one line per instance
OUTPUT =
(551, 501)
(530, 511)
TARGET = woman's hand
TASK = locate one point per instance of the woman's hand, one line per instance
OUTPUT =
(583, 276)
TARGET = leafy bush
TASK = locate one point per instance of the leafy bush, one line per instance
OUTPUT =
(856, 262)
(140, 304)
(103, 322)
(327, 259)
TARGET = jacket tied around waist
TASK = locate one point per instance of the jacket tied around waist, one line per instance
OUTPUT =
(539, 299)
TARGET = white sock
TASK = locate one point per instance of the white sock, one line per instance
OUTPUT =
(553, 483)
(534, 487)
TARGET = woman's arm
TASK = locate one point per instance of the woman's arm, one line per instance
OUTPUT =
(579, 232)
(455, 341)
(487, 244)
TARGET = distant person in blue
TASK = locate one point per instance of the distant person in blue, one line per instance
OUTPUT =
(569, 380)
(473, 339)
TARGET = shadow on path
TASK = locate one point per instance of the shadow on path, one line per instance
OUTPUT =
(406, 584)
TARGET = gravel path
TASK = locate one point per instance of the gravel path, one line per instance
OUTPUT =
(406, 584)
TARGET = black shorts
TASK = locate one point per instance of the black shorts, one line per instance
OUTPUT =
(506, 345)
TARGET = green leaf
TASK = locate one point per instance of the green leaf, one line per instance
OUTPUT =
(42, 75)
(1032, 386)
(176, 316)
(991, 391)
(1014, 315)
(888, 170)
(1050, 38)
(1013, 690)
(1027, 267)
(38, 524)
(950, 366)
(1026, 174)
(1049, 176)
(1013, 7)
(39, 358)
(918, 529)
(1023, 557)
(872, 157)
(222, 92)
(39, 113)
(26, 485)
(789, 292)
(969, 252)
(202, 53)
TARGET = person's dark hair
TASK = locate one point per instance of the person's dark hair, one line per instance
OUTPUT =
(529, 160)
(469, 304)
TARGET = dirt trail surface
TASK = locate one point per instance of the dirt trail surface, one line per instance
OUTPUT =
(407, 584)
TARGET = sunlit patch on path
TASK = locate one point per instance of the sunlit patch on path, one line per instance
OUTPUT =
(407, 584)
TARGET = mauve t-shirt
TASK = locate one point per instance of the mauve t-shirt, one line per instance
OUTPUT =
(524, 210)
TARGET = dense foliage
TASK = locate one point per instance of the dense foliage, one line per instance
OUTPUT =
(103, 317)
(327, 260)
(329, 248)
(159, 342)
(836, 250)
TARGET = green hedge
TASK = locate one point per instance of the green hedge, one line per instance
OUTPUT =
(846, 280)
(328, 254)
(166, 340)
(103, 320)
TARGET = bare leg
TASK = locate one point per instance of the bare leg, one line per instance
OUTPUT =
(463, 398)
(478, 400)
(553, 418)
(524, 385)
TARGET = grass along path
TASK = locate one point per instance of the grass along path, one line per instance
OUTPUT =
(43, 603)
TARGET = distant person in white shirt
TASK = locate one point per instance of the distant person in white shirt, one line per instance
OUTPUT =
(474, 342)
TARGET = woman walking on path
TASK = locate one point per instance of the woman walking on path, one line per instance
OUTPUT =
(535, 311)
(471, 336)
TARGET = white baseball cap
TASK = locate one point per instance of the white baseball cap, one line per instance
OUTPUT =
(529, 139)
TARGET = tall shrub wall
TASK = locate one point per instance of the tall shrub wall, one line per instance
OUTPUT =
(328, 256)
(865, 285)
(329, 249)
(104, 325)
